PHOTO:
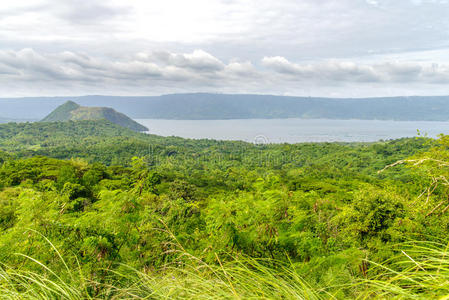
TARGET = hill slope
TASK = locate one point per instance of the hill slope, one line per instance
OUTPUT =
(70, 111)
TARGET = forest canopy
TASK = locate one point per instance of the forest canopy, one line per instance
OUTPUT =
(103, 197)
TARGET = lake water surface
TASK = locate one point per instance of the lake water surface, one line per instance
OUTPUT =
(294, 130)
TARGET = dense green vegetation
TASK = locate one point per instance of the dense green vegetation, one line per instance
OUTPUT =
(91, 209)
(203, 106)
(70, 111)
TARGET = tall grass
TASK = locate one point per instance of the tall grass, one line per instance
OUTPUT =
(21, 283)
(244, 278)
(237, 279)
(188, 277)
(419, 271)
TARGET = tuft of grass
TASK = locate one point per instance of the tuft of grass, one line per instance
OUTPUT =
(23, 284)
(16, 283)
(420, 271)
(238, 278)
(186, 278)
(244, 278)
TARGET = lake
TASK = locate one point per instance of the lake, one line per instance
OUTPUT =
(294, 130)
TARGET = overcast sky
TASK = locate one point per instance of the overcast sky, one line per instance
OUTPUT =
(340, 48)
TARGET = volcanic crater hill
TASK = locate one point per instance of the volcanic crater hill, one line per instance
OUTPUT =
(71, 111)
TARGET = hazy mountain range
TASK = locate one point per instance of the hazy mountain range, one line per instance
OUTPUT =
(226, 106)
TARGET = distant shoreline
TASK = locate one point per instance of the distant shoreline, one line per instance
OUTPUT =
(293, 131)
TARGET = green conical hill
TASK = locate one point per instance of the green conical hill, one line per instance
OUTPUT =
(74, 112)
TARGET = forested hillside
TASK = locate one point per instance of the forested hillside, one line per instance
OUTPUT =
(89, 209)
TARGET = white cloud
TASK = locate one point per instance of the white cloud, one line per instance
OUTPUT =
(162, 72)
(308, 47)
(197, 69)
(197, 60)
(241, 69)
(355, 72)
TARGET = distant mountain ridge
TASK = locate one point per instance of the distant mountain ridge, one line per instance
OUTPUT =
(204, 106)
(4, 120)
(71, 111)
(7, 120)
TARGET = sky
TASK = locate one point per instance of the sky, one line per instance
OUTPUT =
(331, 48)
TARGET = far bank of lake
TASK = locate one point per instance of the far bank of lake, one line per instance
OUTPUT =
(294, 130)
